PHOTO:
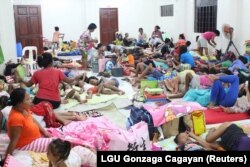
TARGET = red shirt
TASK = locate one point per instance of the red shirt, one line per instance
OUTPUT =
(48, 80)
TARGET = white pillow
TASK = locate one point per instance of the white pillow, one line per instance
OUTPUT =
(40, 120)
(6, 112)
(7, 109)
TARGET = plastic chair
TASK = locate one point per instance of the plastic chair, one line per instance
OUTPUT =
(30, 62)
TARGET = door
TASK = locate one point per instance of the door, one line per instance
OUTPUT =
(108, 24)
(29, 26)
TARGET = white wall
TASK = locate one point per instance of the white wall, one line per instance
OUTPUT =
(132, 14)
(7, 32)
(67, 14)
(74, 16)
(233, 12)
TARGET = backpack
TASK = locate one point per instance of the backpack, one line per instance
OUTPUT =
(140, 114)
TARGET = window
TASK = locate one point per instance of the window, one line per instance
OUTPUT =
(167, 10)
(205, 15)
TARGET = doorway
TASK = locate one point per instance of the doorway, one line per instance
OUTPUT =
(28, 26)
(108, 24)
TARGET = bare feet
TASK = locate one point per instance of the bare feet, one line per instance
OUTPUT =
(66, 122)
(227, 110)
(213, 77)
(83, 101)
(65, 101)
(134, 82)
(121, 93)
(80, 117)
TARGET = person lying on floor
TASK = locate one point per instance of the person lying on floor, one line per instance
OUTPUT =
(243, 101)
(59, 62)
(70, 92)
(232, 137)
(238, 64)
(61, 154)
(220, 96)
(103, 86)
(184, 80)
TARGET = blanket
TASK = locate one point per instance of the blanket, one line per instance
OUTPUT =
(170, 111)
(201, 96)
(179, 108)
(217, 115)
(82, 133)
(100, 133)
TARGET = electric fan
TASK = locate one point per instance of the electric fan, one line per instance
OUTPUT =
(228, 32)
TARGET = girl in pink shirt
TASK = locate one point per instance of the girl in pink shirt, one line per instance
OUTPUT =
(204, 39)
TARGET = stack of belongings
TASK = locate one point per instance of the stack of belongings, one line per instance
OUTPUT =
(155, 95)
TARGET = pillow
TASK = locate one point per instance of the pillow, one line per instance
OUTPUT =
(7, 109)
(6, 112)
(40, 120)
(22, 158)
(179, 107)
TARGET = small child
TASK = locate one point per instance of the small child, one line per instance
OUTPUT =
(56, 36)
(2, 89)
(128, 58)
(60, 154)
(72, 93)
(103, 86)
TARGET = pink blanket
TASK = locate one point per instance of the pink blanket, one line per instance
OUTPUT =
(100, 133)
(82, 133)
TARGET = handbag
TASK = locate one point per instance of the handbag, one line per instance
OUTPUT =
(199, 124)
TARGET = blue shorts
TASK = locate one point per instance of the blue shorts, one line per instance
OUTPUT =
(157, 74)
(116, 82)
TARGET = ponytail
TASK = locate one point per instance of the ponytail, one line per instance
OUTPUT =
(40, 61)
(60, 148)
(45, 60)
(67, 149)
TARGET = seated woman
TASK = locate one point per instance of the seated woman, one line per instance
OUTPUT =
(142, 38)
(218, 94)
(41, 109)
(128, 41)
(147, 70)
(119, 40)
(22, 128)
(185, 57)
(232, 139)
(48, 79)
(243, 103)
(60, 154)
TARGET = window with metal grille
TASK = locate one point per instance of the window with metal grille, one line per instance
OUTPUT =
(205, 15)
(167, 10)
